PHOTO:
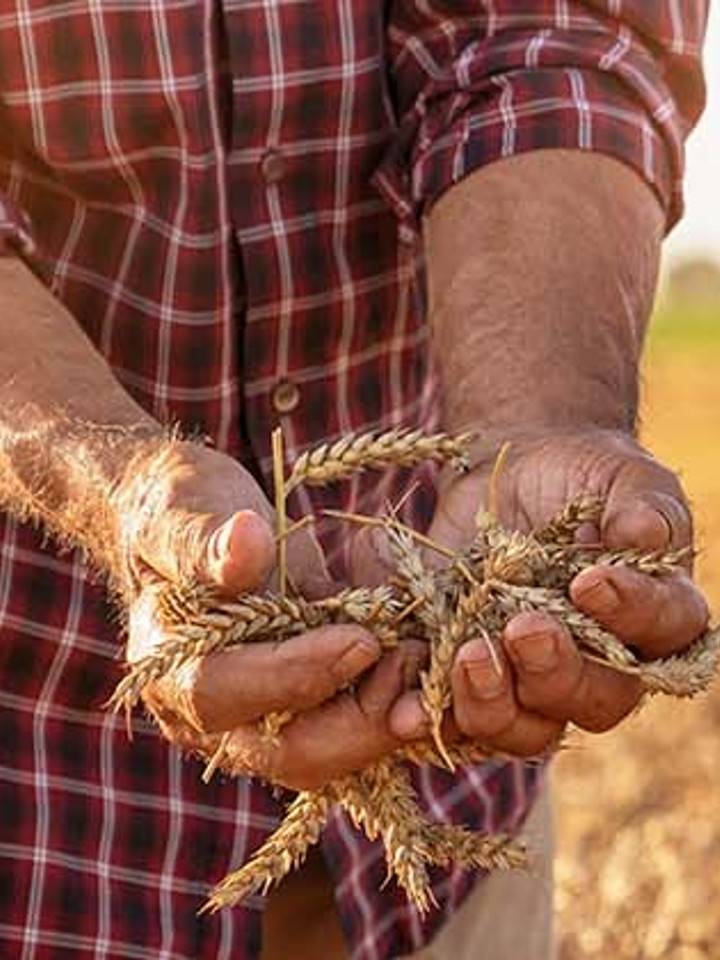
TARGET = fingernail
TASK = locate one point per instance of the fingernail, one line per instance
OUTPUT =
(536, 652)
(601, 596)
(358, 657)
(484, 676)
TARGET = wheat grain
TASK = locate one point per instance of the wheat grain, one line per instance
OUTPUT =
(499, 575)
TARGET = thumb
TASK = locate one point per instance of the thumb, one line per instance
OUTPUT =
(370, 558)
(238, 554)
(646, 509)
(234, 553)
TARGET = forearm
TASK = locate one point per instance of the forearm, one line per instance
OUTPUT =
(67, 428)
(542, 270)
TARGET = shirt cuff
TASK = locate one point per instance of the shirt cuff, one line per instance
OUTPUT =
(15, 230)
(524, 110)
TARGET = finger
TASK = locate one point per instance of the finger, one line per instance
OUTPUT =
(232, 687)
(556, 681)
(484, 710)
(487, 680)
(659, 616)
(346, 734)
(307, 566)
(486, 705)
(235, 553)
(238, 554)
(509, 729)
(371, 562)
(646, 509)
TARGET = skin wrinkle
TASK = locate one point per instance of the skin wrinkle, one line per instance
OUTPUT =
(549, 281)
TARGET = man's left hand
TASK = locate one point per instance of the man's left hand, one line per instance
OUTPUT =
(544, 682)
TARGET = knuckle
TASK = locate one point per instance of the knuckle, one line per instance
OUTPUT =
(549, 693)
(491, 719)
(539, 743)
(601, 722)
(603, 712)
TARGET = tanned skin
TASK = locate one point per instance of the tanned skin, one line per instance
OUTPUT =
(542, 270)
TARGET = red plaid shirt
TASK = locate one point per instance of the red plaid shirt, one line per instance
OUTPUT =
(226, 195)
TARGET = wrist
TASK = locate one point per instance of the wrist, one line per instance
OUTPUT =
(532, 396)
(65, 474)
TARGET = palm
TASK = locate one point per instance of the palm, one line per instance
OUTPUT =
(541, 476)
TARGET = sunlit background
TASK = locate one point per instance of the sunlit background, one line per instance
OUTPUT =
(699, 232)
(638, 810)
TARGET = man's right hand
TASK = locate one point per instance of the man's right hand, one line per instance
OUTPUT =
(191, 513)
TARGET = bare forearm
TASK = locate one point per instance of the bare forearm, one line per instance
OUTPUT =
(67, 428)
(542, 271)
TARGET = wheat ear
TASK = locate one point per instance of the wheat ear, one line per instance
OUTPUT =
(382, 802)
(455, 629)
(285, 850)
(330, 462)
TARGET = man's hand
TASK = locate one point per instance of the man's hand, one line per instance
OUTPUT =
(544, 682)
(541, 273)
(194, 514)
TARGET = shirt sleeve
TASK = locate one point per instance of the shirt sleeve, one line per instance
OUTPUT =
(475, 82)
(15, 230)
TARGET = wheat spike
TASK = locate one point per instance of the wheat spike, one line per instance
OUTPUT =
(285, 850)
(501, 574)
(450, 844)
(562, 528)
(587, 633)
(382, 802)
(455, 629)
(331, 462)
(686, 674)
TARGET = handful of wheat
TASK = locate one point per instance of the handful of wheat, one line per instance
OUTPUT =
(501, 574)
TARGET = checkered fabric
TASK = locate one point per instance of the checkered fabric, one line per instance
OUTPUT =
(227, 197)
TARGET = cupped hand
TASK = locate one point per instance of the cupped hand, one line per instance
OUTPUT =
(543, 682)
(193, 514)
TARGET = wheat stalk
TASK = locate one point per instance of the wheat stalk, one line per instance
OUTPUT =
(500, 575)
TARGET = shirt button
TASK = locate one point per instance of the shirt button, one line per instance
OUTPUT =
(273, 166)
(286, 396)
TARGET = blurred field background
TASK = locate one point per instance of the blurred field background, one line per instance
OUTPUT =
(638, 810)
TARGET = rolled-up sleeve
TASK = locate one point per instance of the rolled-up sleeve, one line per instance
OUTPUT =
(476, 82)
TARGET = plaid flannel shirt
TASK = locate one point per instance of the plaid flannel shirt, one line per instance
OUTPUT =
(226, 194)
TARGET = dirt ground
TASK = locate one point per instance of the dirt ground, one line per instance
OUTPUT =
(638, 810)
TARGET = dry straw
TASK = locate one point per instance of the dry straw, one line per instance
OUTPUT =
(479, 589)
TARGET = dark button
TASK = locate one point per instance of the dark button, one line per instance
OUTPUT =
(273, 166)
(286, 396)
